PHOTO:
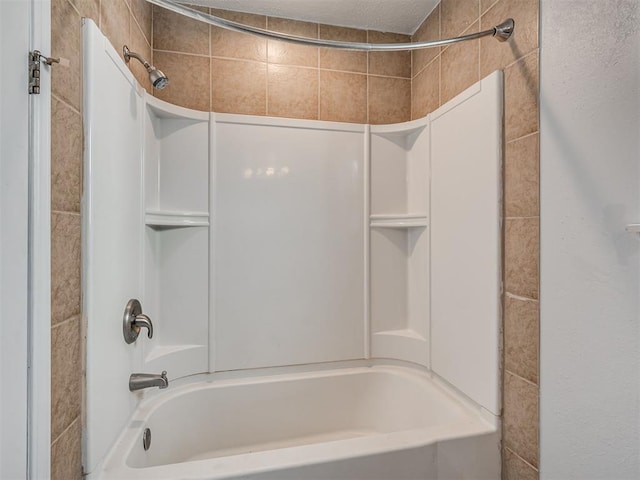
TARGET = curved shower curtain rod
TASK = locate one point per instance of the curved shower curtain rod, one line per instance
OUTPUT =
(501, 32)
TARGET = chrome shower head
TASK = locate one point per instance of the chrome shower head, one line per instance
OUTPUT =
(158, 79)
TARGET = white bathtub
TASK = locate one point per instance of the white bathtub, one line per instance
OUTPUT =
(376, 422)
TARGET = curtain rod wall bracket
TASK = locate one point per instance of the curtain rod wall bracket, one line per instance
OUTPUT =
(504, 30)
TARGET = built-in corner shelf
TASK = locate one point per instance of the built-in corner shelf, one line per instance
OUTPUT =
(401, 220)
(176, 219)
(167, 110)
(399, 241)
(405, 332)
(404, 129)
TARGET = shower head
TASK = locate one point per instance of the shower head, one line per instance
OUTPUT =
(158, 79)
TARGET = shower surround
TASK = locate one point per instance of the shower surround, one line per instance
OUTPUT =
(435, 75)
(359, 270)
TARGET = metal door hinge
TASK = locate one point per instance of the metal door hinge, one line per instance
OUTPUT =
(35, 58)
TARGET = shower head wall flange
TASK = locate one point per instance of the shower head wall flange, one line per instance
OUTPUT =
(158, 79)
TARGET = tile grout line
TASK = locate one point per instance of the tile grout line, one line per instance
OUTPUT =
(506, 371)
(521, 297)
(318, 67)
(368, 82)
(65, 103)
(495, 2)
(135, 20)
(65, 431)
(425, 66)
(411, 76)
(64, 212)
(523, 57)
(175, 52)
(266, 77)
(440, 55)
(211, 92)
(517, 139)
(210, 65)
(76, 10)
(306, 67)
(390, 76)
(479, 44)
(76, 316)
(520, 458)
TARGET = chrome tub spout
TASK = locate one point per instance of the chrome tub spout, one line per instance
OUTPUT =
(138, 381)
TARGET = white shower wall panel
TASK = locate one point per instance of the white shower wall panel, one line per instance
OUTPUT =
(289, 214)
(112, 238)
(465, 226)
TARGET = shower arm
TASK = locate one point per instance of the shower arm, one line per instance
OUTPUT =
(129, 54)
(501, 32)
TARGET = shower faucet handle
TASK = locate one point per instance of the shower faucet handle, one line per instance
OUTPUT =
(133, 320)
(142, 320)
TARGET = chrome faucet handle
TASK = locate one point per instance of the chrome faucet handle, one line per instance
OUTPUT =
(133, 320)
(142, 320)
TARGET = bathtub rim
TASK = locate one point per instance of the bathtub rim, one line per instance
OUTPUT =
(247, 375)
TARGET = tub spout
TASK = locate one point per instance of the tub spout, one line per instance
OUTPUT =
(138, 381)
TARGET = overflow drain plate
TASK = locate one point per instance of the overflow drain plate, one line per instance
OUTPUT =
(146, 439)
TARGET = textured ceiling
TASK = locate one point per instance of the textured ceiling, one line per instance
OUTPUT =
(399, 16)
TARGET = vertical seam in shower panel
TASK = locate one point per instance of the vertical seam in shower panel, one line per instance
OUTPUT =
(367, 241)
(212, 245)
(140, 354)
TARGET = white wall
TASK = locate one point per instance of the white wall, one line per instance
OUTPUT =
(590, 126)
(14, 239)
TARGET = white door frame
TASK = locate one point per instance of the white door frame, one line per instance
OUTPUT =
(25, 317)
(39, 423)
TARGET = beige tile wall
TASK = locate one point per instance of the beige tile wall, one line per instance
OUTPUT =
(214, 69)
(437, 76)
(124, 21)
